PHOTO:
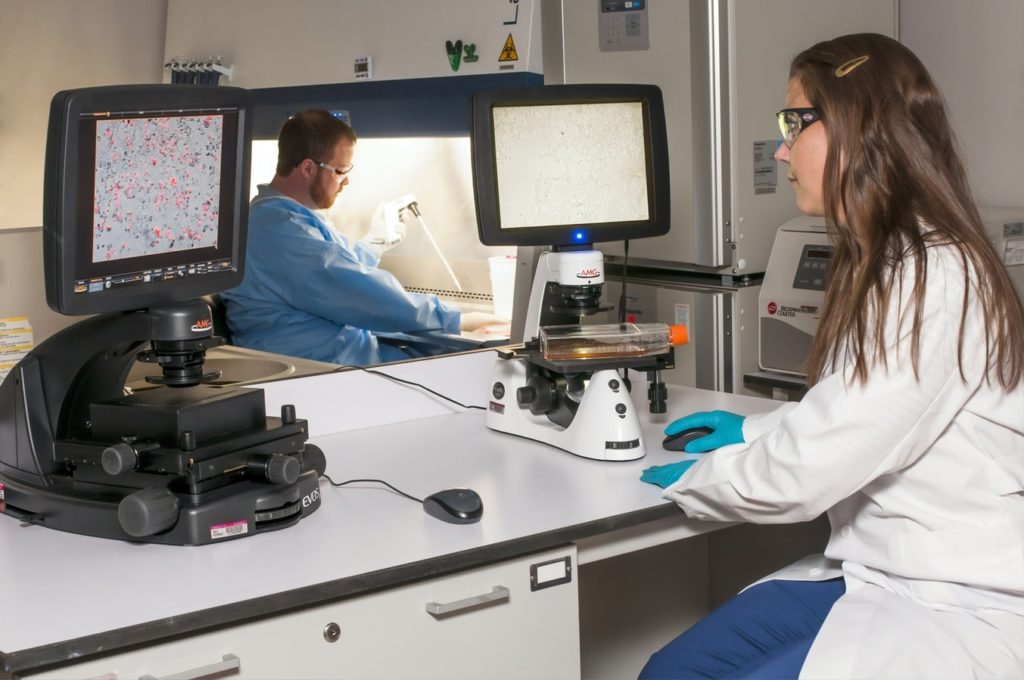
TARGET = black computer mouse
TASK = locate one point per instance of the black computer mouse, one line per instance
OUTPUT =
(679, 440)
(458, 506)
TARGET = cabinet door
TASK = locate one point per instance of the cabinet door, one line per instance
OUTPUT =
(489, 633)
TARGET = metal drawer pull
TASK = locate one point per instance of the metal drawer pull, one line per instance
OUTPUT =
(230, 662)
(497, 594)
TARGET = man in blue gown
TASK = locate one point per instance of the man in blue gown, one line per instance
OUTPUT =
(308, 291)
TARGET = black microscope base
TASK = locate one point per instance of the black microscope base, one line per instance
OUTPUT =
(233, 511)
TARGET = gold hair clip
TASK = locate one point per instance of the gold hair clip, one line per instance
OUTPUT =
(845, 69)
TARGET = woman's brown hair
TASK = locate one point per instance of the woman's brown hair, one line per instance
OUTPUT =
(893, 165)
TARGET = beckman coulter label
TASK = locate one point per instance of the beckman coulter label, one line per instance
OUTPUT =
(229, 529)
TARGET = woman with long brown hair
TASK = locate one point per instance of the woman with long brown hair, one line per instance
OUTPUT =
(911, 436)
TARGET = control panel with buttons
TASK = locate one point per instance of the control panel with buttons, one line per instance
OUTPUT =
(623, 25)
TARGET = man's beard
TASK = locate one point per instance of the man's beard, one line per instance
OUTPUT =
(322, 199)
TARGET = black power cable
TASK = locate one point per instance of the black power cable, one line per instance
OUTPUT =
(415, 384)
(625, 269)
(374, 481)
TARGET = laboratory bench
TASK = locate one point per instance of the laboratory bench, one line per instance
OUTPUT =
(370, 585)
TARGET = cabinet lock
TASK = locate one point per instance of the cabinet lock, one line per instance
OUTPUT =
(332, 632)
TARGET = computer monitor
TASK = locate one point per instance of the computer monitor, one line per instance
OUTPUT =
(563, 165)
(145, 195)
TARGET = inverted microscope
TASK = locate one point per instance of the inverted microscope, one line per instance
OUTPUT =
(564, 167)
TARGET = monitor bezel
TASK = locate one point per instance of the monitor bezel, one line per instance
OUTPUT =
(65, 238)
(484, 165)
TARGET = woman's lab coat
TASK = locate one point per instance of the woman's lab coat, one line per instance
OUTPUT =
(309, 293)
(923, 482)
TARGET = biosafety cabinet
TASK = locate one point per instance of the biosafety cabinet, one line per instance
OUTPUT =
(402, 73)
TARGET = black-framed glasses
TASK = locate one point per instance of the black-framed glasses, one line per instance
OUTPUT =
(338, 172)
(793, 121)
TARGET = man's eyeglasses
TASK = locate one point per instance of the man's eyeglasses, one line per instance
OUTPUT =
(339, 172)
(793, 121)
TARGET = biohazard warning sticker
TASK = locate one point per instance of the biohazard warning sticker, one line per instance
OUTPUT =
(508, 52)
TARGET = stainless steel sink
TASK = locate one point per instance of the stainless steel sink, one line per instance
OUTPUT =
(234, 370)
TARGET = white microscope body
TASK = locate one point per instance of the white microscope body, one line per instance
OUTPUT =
(573, 407)
(573, 270)
(604, 427)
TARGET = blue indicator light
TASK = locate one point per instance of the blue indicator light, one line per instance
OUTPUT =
(578, 235)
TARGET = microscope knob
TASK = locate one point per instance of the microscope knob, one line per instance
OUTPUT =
(119, 458)
(148, 511)
(657, 393)
(282, 470)
(539, 395)
(288, 414)
(525, 396)
(314, 459)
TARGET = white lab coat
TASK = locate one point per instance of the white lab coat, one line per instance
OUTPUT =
(923, 482)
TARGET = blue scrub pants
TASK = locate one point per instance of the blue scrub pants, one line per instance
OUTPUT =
(764, 633)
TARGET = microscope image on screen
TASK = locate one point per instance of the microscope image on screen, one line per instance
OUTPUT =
(551, 173)
(157, 185)
(145, 209)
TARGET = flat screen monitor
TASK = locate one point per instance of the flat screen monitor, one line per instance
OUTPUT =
(145, 195)
(569, 165)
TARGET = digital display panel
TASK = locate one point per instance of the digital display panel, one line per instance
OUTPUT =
(157, 185)
(570, 164)
(145, 195)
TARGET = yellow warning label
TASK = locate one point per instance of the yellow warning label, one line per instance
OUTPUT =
(508, 52)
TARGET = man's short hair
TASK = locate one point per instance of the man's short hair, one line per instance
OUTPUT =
(310, 134)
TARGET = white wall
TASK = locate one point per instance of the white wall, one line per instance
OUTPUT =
(47, 46)
(277, 43)
(52, 45)
(975, 53)
(22, 291)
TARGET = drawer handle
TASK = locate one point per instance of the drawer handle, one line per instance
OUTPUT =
(497, 594)
(230, 662)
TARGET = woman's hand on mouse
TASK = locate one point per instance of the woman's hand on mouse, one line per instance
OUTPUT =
(727, 426)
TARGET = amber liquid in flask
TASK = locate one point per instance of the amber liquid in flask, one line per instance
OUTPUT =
(610, 341)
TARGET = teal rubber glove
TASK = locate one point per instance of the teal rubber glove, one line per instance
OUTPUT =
(728, 429)
(666, 475)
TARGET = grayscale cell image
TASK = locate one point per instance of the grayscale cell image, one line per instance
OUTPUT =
(570, 164)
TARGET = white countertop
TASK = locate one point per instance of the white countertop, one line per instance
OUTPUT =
(57, 586)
